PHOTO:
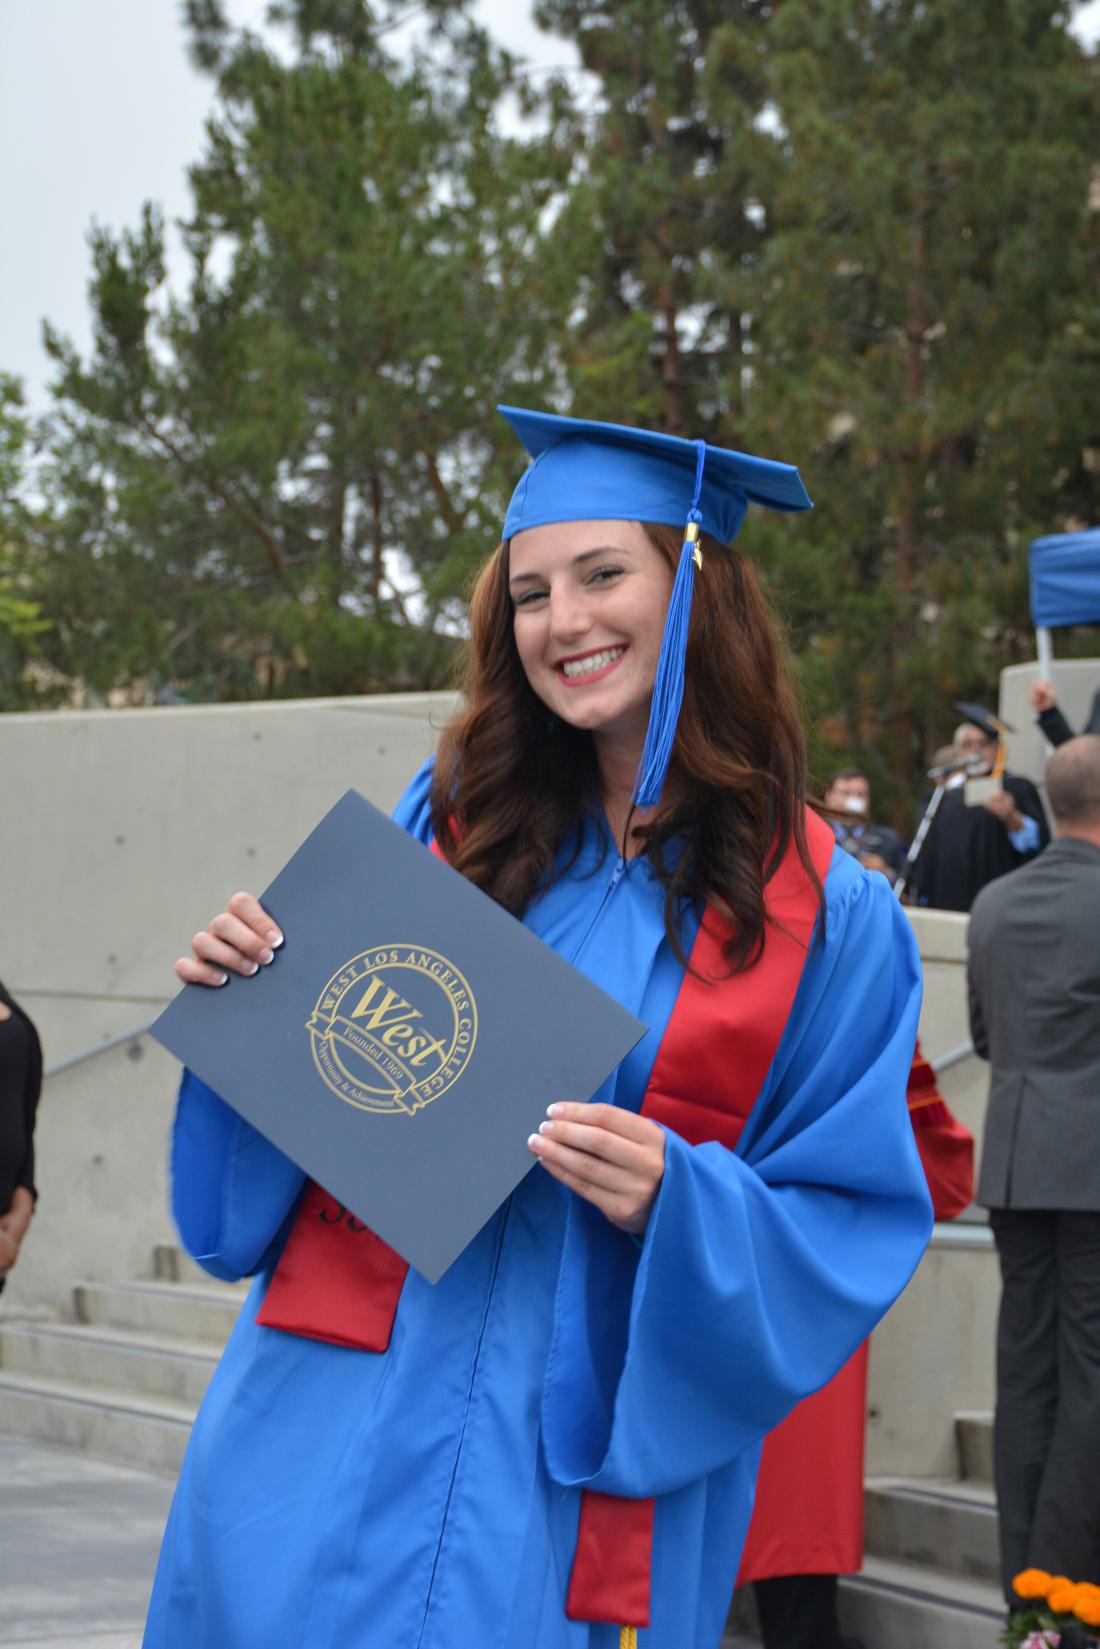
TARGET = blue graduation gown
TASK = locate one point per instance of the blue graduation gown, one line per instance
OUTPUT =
(428, 1497)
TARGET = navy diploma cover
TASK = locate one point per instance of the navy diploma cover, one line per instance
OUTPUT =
(406, 1039)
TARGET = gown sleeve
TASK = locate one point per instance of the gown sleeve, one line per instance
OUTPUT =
(232, 1190)
(1054, 726)
(762, 1270)
(1027, 799)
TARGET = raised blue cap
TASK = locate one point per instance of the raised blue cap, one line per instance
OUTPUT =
(587, 471)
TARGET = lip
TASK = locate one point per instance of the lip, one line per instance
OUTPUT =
(596, 675)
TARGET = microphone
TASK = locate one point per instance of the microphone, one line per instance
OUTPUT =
(964, 764)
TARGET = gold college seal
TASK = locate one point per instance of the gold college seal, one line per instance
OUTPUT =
(393, 1029)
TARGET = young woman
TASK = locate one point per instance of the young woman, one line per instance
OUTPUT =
(555, 1446)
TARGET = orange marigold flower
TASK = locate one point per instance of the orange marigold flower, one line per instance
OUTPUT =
(1062, 1596)
(1086, 1604)
(1031, 1583)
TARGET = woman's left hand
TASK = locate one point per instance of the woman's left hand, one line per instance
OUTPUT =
(18, 1217)
(613, 1158)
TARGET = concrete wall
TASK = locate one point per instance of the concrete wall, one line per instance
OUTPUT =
(933, 1353)
(123, 832)
(131, 828)
(1076, 682)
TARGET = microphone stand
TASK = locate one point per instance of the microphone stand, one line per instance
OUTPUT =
(939, 791)
(906, 871)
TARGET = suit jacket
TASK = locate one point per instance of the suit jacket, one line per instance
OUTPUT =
(1034, 985)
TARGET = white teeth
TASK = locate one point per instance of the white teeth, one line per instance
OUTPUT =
(595, 661)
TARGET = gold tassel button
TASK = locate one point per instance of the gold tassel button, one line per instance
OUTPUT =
(691, 536)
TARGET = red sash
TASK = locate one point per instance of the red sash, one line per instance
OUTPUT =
(714, 1056)
(335, 1280)
(946, 1147)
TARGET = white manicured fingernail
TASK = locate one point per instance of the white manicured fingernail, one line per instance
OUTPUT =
(267, 956)
(533, 1140)
(546, 1127)
(224, 980)
(255, 968)
(274, 938)
(554, 1110)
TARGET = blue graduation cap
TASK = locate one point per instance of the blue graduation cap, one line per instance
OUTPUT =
(588, 471)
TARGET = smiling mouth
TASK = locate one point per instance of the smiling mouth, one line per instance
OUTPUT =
(579, 669)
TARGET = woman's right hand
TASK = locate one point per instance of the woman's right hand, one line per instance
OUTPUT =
(242, 939)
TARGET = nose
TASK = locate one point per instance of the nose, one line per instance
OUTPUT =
(569, 615)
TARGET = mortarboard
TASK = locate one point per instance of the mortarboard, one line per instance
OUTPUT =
(978, 716)
(588, 471)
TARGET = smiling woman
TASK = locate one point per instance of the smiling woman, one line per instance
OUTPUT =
(569, 618)
(555, 1446)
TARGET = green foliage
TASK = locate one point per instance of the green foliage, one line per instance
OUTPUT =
(667, 200)
(925, 339)
(278, 482)
(20, 617)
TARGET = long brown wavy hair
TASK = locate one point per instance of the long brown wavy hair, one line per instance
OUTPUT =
(512, 783)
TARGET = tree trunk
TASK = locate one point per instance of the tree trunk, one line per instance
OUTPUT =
(910, 469)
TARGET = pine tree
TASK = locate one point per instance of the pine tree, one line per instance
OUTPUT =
(21, 623)
(668, 198)
(925, 337)
(277, 481)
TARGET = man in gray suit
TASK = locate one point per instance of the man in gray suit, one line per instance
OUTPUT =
(1034, 979)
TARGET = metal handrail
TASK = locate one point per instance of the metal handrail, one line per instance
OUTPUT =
(953, 1056)
(97, 1048)
(945, 1062)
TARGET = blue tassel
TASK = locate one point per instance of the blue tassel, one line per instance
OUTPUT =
(668, 685)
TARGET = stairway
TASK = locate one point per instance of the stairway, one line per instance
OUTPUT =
(123, 1380)
(930, 1575)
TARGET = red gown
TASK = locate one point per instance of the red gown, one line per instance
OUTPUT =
(808, 1513)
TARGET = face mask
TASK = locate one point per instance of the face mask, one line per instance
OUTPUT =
(853, 804)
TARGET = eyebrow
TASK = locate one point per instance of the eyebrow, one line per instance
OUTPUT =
(577, 561)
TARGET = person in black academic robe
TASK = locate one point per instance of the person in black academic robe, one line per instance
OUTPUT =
(967, 847)
(20, 1083)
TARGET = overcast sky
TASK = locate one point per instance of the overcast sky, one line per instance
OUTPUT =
(100, 111)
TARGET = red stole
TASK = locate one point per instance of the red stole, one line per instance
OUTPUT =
(714, 1056)
(335, 1280)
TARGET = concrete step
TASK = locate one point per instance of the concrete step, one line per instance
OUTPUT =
(893, 1605)
(974, 1433)
(101, 1421)
(172, 1265)
(100, 1355)
(947, 1525)
(190, 1311)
